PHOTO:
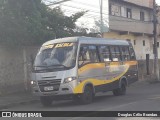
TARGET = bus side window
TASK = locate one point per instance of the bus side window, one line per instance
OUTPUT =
(104, 53)
(93, 53)
(132, 53)
(116, 56)
(87, 54)
(125, 53)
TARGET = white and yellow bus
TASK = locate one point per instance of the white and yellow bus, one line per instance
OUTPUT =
(80, 67)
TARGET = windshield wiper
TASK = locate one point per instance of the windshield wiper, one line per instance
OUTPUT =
(52, 66)
(41, 66)
(58, 65)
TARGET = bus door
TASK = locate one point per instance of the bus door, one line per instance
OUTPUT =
(90, 69)
(105, 57)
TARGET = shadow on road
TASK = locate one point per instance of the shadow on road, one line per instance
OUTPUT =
(70, 103)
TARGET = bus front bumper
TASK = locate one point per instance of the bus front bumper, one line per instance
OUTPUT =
(62, 90)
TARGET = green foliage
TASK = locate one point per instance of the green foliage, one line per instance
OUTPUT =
(30, 22)
(60, 24)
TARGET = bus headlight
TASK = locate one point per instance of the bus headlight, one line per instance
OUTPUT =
(69, 79)
(33, 83)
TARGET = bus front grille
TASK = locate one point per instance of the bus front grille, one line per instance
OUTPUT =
(49, 83)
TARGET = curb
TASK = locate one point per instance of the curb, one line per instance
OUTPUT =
(10, 105)
(153, 81)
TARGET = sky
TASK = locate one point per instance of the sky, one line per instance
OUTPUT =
(158, 2)
(93, 12)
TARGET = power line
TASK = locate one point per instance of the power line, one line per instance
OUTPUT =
(93, 16)
(93, 11)
(97, 12)
(56, 2)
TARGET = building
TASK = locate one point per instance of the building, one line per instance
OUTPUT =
(132, 20)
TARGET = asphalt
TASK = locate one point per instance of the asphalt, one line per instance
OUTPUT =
(12, 100)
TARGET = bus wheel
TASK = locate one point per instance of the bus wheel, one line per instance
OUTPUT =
(46, 101)
(87, 96)
(121, 90)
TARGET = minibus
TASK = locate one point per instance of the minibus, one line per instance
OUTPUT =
(79, 67)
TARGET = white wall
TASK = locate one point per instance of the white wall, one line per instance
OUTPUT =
(141, 50)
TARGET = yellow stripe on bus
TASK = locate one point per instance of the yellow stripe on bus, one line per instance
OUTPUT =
(102, 65)
(90, 66)
(96, 82)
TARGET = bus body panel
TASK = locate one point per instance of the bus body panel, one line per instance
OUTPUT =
(106, 77)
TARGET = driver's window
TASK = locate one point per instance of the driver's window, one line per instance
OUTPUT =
(83, 55)
(87, 54)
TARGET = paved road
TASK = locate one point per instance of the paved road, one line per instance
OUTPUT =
(140, 96)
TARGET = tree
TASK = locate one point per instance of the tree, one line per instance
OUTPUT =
(60, 24)
(29, 22)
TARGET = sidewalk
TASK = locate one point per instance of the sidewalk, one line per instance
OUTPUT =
(16, 99)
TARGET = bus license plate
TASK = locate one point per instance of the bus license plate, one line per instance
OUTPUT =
(48, 88)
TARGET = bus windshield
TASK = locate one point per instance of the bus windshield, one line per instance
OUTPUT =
(59, 56)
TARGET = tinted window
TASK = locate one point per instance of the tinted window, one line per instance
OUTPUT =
(132, 53)
(93, 53)
(115, 51)
(125, 53)
(105, 53)
(87, 54)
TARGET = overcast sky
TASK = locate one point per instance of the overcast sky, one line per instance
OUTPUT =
(158, 2)
(93, 8)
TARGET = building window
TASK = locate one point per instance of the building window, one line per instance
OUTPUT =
(123, 11)
(129, 13)
(110, 6)
(142, 16)
(144, 43)
(115, 10)
(134, 42)
(158, 44)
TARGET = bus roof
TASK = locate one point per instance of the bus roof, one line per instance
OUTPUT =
(88, 40)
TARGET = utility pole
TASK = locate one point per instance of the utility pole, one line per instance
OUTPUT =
(101, 16)
(156, 63)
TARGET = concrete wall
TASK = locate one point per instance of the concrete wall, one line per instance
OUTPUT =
(118, 20)
(14, 68)
(146, 3)
(143, 72)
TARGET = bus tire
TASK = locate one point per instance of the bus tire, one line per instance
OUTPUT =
(87, 96)
(121, 90)
(46, 101)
